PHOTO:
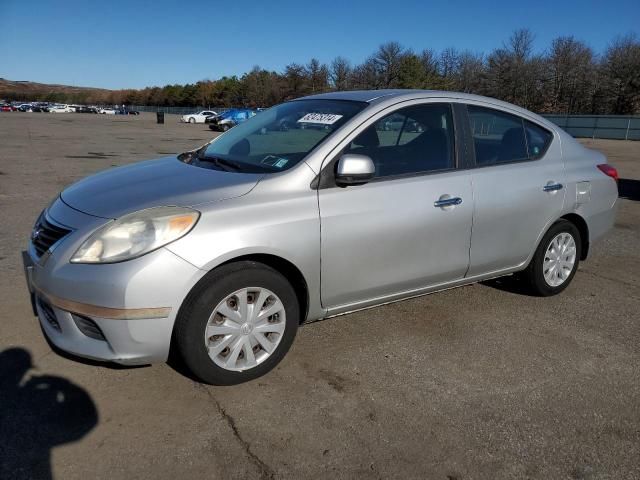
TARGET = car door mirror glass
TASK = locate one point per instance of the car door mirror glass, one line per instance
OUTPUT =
(354, 169)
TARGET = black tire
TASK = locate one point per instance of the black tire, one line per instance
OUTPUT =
(225, 127)
(534, 273)
(192, 120)
(194, 314)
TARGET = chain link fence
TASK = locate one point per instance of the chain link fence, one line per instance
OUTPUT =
(614, 127)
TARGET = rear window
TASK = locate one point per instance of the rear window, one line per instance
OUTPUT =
(500, 137)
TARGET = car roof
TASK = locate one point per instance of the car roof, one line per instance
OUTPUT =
(374, 97)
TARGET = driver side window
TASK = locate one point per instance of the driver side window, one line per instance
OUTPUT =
(416, 139)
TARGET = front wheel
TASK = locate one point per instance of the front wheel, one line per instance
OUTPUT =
(555, 261)
(192, 120)
(237, 324)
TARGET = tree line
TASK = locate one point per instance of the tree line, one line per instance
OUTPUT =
(568, 77)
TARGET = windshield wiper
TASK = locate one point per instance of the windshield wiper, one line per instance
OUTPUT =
(221, 163)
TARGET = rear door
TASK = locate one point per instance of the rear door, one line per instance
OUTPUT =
(408, 228)
(518, 184)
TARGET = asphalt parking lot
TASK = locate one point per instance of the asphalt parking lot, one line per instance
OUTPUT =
(475, 382)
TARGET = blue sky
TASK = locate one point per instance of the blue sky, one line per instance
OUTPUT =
(138, 43)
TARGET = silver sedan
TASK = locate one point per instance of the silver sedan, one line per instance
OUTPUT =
(364, 198)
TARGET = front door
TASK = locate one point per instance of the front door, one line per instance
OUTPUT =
(408, 228)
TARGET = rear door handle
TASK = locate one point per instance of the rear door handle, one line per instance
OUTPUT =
(447, 202)
(552, 187)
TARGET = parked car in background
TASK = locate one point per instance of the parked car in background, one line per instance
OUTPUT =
(61, 109)
(198, 117)
(211, 118)
(126, 111)
(231, 118)
(25, 107)
(7, 108)
(397, 122)
(86, 109)
(107, 111)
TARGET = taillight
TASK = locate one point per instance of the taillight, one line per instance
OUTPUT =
(609, 171)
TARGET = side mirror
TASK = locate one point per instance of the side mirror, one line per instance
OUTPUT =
(354, 169)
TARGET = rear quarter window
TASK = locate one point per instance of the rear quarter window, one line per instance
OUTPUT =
(538, 139)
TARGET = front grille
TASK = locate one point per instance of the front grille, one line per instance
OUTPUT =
(49, 314)
(46, 234)
(88, 327)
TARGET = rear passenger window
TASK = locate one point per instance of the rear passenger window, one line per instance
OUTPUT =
(538, 139)
(498, 137)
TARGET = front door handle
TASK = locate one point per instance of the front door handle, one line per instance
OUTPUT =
(552, 187)
(447, 202)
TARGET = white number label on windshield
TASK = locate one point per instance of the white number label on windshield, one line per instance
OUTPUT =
(321, 118)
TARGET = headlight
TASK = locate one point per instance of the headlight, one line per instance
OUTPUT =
(136, 234)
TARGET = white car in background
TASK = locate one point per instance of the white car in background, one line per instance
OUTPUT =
(197, 117)
(61, 109)
(107, 111)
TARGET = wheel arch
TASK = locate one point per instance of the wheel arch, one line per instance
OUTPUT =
(583, 229)
(290, 271)
(283, 266)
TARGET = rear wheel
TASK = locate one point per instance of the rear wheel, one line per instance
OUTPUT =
(556, 260)
(237, 324)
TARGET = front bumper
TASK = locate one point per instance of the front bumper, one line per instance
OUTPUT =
(122, 312)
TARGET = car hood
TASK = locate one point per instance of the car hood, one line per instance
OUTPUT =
(163, 182)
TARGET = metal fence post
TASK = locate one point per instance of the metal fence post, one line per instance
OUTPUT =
(626, 135)
(595, 126)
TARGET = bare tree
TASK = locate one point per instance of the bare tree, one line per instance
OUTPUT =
(387, 62)
(295, 78)
(621, 71)
(429, 60)
(340, 73)
(366, 75)
(317, 76)
(516, 75)
(571, 71)
(470, 72)
(448, 67)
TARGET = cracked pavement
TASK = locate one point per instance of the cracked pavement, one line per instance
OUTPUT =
(475, 382)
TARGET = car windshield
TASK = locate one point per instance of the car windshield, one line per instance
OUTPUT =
(278, 138)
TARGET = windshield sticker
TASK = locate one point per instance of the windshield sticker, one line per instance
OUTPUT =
(321, 118)
(281, 163)
(274, 161)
